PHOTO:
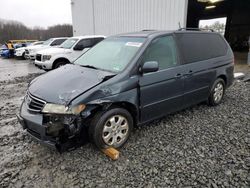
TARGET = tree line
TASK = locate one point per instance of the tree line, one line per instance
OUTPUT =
(217, 27)
(12, 30)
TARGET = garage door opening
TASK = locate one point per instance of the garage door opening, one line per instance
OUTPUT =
(216, 24)
(234, 14)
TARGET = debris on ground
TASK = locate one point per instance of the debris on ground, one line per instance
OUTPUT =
(111, 153)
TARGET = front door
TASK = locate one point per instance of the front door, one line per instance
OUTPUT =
(161, 92)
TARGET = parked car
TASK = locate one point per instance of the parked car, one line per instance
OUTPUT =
(7, 50)
(4, 52)
(20, 52)
(127, 80)
(30, 52)
(67, 52)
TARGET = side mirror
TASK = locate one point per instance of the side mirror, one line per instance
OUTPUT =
(150, 66)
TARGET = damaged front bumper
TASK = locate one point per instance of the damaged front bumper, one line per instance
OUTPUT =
(37, 132)
(54, 131)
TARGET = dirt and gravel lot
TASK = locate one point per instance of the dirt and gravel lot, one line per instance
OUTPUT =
(199, 147)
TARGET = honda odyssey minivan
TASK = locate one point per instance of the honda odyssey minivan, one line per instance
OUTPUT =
(126, 80)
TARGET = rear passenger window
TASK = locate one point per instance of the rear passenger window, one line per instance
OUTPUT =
(86, 43)
(162, 50)
(57, 42)
(200, 46)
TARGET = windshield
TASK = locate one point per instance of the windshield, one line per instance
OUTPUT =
(47, 42)
(68, 43)
(112, 54)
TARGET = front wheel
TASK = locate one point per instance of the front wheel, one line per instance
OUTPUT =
(217, 92)
(111, 128)
(23, 56)
(59, 64)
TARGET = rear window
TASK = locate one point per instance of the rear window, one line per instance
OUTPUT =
(201, 46)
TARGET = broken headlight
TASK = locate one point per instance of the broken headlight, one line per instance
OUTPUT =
(61, 109)
(46, 57)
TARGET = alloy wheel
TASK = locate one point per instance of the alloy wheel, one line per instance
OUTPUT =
(218, 92)
(115, 131)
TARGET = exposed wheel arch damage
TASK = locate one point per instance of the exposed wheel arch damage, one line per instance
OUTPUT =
(127, 100)
(93, 109)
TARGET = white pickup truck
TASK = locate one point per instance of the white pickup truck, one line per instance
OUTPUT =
(67, 52)
(30, 52)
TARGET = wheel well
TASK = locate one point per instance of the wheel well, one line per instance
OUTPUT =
(223, 77)
(129, 107)
(60, 60)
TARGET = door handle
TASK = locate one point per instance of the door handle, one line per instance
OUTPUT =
(178, 76)
(189, 73)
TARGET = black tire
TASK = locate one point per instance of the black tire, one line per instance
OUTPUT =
(23, 56)
(59, 64)
(101, 119)
(212, 100)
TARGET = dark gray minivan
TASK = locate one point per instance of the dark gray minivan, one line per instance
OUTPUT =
(126, 80)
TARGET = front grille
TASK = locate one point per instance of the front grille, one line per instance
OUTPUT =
(27, 51)
(34, 104)
(38, 57)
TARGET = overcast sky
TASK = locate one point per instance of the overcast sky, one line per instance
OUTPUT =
(36, 12)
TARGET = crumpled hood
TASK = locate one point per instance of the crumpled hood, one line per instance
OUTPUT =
(61, 85)
(52, 51)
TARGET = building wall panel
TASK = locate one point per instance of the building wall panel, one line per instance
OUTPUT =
(118, 16)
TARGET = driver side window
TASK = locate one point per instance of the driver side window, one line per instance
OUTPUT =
(162, 50)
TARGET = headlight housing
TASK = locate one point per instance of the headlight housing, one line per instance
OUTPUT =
(61, 109)
(46, 57)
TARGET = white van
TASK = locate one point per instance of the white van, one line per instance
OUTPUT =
(67, 52)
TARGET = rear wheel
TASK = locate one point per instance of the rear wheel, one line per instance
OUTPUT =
(111, 128)
(217, 92)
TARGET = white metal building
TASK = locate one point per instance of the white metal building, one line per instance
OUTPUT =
(108, 17)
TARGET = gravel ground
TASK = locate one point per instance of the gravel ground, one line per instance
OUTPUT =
(198, 147)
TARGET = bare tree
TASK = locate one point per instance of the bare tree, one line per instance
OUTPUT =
(217, 26)
(12, 30)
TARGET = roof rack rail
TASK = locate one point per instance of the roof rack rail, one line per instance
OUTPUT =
(195, 29)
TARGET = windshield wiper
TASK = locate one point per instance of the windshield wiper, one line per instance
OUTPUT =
(89, 66)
